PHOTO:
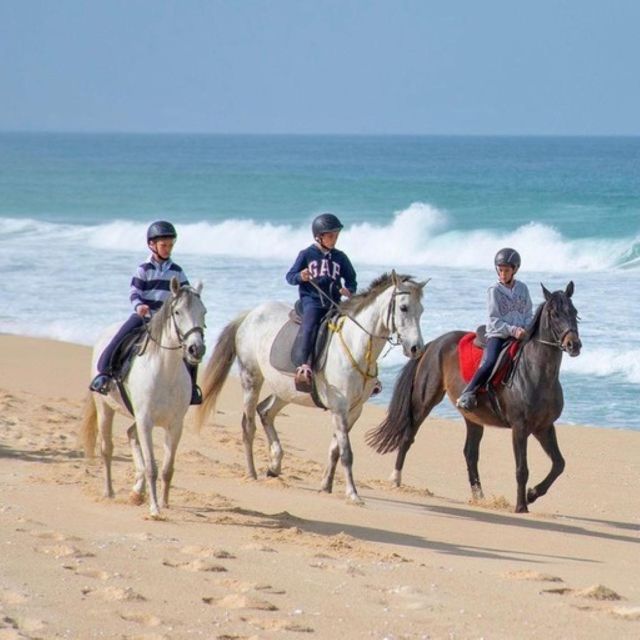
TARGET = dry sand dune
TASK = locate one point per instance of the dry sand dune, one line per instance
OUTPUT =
(273, 558)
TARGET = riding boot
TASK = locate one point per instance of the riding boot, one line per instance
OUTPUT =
(196, 392)
(101, 384)
(303, 378)
(467, 400)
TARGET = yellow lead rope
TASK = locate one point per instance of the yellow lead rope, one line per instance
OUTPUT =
(337, 329)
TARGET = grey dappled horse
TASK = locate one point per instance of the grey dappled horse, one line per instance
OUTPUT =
(391, 305)
(159, 387)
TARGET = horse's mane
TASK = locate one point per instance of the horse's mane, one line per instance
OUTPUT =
(535, 323)
(159, 319)
(362, 300)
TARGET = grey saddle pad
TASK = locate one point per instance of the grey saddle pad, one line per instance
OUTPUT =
(280, 355)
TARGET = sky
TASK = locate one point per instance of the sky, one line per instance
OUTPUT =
(479, 67)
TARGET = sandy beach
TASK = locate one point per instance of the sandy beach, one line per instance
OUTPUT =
(273, 558)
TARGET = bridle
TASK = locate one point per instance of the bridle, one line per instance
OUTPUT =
(557, 341)
(390, 320)
(182, 337)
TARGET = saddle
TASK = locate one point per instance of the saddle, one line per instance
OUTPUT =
(470, 352)
(132, 345)
(283, 347)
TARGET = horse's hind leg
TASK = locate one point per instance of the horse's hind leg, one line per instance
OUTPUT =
(251, 384)
(268, 409)
(549, 442)
(471, 454)
(105, 426)
(137, 492)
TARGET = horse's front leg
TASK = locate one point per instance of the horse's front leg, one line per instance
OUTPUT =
(137, 492)
(172, 437)
(519, 437)
(144, 428)
(548, 441)
(341, 447)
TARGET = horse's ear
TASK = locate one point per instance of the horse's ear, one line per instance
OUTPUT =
(569, 289)
(394, 278)
(421, 285)
(175, 285)
(546, 292)
(198, 287)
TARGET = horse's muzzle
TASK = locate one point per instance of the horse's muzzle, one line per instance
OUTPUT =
(415, 351)
(195, 352)
(572, 344)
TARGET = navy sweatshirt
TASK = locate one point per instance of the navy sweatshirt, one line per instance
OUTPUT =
(328, 270)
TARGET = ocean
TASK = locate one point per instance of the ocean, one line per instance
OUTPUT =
(74, 209)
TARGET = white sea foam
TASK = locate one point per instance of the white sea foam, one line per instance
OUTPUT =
(606, 362)
(419, 235)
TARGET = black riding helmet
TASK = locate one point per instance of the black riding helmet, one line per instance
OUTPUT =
(325, 223)
(507, 256)
(161, 229)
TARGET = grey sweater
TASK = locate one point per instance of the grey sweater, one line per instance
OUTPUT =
(508, 309)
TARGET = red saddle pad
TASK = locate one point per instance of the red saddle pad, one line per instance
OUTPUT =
(469, 357)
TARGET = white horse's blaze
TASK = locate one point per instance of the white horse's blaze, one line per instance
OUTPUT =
(159, 388)
(392, 305)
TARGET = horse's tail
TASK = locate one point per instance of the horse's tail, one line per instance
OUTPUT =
(399, 421)
(88, 435)
(217, 370)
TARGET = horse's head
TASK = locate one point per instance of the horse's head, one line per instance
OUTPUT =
(405, 310)
(559, 320)
(187, 313)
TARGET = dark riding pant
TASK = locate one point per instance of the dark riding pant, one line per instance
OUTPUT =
(312, 315)
(491, 353)
(105, 362)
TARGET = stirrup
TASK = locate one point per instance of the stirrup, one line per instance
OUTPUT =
(467, 401)
(196, 395)
(377, 388)
(303, 377)
(101, 384)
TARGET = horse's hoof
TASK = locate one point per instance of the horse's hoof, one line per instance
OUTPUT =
(522, 509)
(532, 496)
(272, 474)
(476, 493)
(355, 500)
(136, 498)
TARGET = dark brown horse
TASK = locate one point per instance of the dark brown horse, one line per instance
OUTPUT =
(529, 404)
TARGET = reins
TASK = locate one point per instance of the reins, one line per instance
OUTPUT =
(390, 315)
(182, 338)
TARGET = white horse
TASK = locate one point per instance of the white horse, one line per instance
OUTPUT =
(159, 388)
(391, 305)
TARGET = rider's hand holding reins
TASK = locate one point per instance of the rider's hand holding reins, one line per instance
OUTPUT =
(142, 310)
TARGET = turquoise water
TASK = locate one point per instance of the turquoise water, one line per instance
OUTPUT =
(74, 208)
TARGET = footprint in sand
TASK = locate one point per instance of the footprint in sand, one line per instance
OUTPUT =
(240, 601)
(145, 619)
(200, 564)
(525, 574)
(115, 594)
(64, 551)
(281, 624)
(597, 592)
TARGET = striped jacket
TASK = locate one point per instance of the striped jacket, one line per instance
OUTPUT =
(151, 283)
